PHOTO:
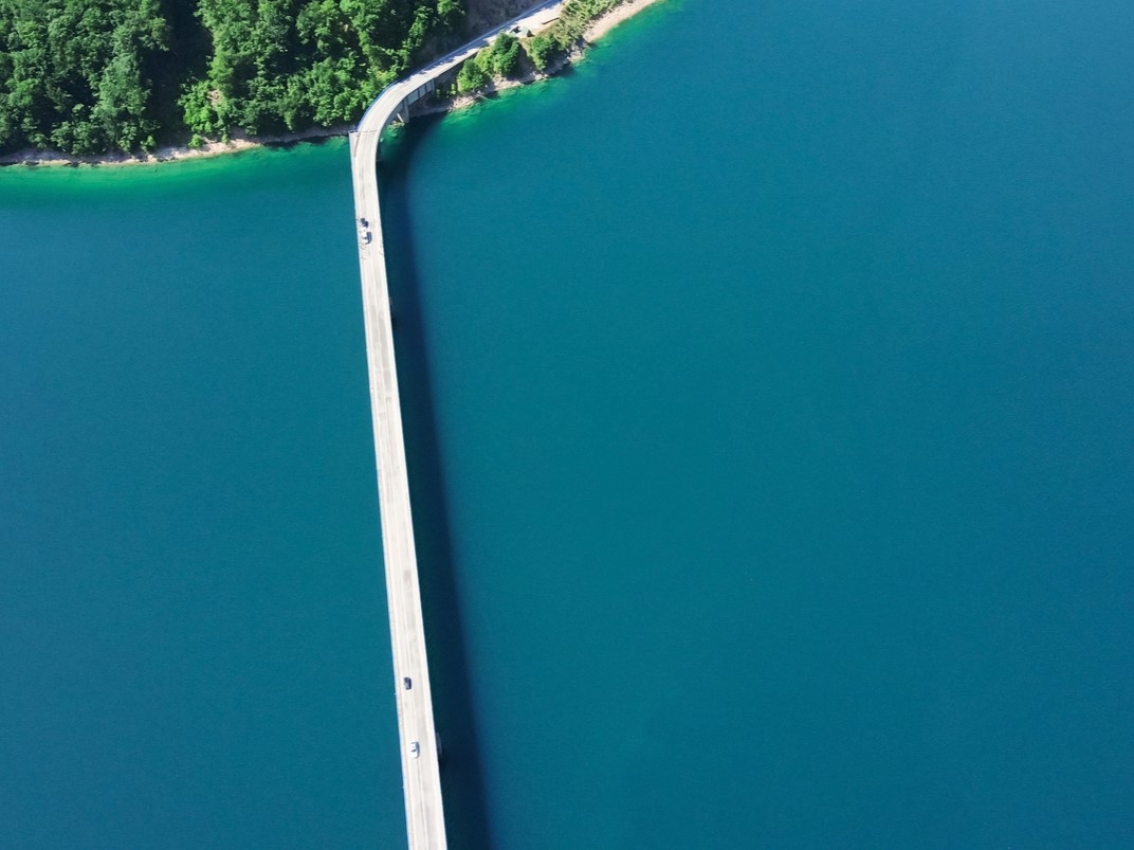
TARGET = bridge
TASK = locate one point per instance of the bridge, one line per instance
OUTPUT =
(420, 745)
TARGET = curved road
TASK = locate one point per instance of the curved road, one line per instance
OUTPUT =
(425, 819)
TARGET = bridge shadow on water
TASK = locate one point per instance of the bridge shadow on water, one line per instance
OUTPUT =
(462, 775)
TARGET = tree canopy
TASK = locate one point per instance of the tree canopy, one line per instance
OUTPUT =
(89, 76)
(93, 76)
(74, 74)
(289, 64)
(500, 59)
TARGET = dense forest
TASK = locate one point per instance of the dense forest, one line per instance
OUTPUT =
(88, 76)
(92, 76)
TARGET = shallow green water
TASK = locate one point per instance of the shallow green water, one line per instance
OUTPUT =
(768, 390)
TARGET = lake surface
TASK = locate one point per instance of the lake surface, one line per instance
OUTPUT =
(193, 628)
(769, 384)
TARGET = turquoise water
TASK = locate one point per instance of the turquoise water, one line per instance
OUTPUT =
(768, 388)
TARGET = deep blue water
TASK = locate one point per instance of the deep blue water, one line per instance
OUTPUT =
(768, 382)
(781, 362)
(193, 642)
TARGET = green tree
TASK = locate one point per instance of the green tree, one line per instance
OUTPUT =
(76, 74)
(288, 64)
(505, 55)
(472, 76)
(540, 50)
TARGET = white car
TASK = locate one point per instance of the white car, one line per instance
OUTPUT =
(415, 749)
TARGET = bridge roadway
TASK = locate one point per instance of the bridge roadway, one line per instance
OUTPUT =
(425, 819)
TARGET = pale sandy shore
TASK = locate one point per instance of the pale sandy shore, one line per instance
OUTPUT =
(210, 148)
(614, 17)
(173, 153)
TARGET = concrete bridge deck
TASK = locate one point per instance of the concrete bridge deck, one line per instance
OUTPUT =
(425, 819)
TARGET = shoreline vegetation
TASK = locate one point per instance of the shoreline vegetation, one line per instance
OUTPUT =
(513, 60)
(543, 55)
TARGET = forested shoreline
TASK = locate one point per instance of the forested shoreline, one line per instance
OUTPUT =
(91, 77)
